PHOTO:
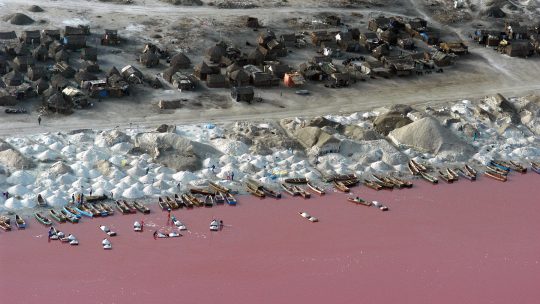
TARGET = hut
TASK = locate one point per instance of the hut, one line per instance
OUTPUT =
(340, 79)
(263, 80)
(288, 40)
(61, 56)
(149, 59)
(215, 53)
(13, 78)
(256, 57)
(118, 87)
(89, 53)
(54, 48)
(184, 81)
(132, 74)
(517, 48)
(442, 59)
(90, 66)
(239, 94)
(113, 71)
(80, 30)
(8, 36)
(265, 37)
(64, 69)
(82, 76)
(20, 49)
(50, 34)
(252, 22)
(74, 42)
(332, 20)
(30, 37)
(41, 53)
(180, 61)
(381, 50)
(277, 69)
(216, 81)
(76, 97)
(36, 72)
(233, 67)
(239, 77)
(406, 43)
(58, 82)
(293, 79)
(369, 40)
(22, 63)
(110, 38)
(4, 65)
(40, 85)
(380, 22)
(169, 72)
(202, 70)
(6, 99)
(318, 37)
(57, 103)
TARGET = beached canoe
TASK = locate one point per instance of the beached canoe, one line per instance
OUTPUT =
(5, 223)
(402, 182)
(429, 178)
(371, 184)
(341, 187)
(41, 201)
(269, 192)
(142, 208)
(95, 198)
(129, 207)
(59, 217)
(470, 170)
(187, 201)
(121, 207)
(230, 199)
(446, 177)
(174, 205)
(412, 169)
(496, 176)
(209, 201)
(107, 208)
(315, 188)
(500, 164)
(452, 173)
(358, 201)
(219, 198)
(535, 167)
(200, 191)
(296, 180)
(179, 201)
(218, 188)
(383, 181)
(302, 192)
(163, 204)
(343, 177)
(42, 219)
(70, 217)
(195, 200)
(92, 209)
(517, 167)
(289, 189)
(255, 192)
(83, 211)
(418, 166)
(100, 209)
(466, 174)
(19, 222)
(497, 170)
(72, 211)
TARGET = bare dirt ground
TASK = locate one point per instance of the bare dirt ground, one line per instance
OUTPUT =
(193, 29)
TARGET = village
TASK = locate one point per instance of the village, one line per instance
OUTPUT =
(61, 71)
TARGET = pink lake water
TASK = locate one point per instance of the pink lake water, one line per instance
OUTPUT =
(462, 243)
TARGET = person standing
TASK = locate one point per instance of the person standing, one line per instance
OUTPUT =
(213, 168)
(73, 198)
(168, 215)
(232, 176)
(90, 191)
(39, 120)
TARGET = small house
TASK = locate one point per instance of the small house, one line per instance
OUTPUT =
(288, 40)
(132, 75)
(184, 81)
(293, 79)
(216, 81)
(400, 66)
(57, 103)
(169, 72)
(40, 85)
(202, 70)
(110, 38)
(277, 69)
(256, 57)
(332, 20)
(61, 56)
(22, 63)
(58, 82)
(319, 59)
(41, 53)
(64, 69)
(6, 99)
(340, 79)
(96, 88)
(89, 53)
(8, 36)
(90, 67)
(76, 97)
(263, 80)
(442, 59)
(180, 61)
(74, 42)
(373, 68)
(389, 36)
(13, 78)
(149, 59)
(215, 53)
(320, 36)
(519, 48)
(264, 37)
(239, 94)
(82, 76)
(30, 37)
(369, 40)
(252, 22)
(406, 43)
(50, 34)
(239, 78)
(381, 50)
(380, 22)
(54, 48)
(36, 72)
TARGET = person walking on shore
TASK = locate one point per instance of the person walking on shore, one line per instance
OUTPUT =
(232, 176)
(168, 215)
(155, 235)
(39, 120)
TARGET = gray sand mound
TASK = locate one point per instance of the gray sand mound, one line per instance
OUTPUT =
(18, 19)
(429, 136)
(60, 168)
(389, 121)
(12, 158)
(35, 9)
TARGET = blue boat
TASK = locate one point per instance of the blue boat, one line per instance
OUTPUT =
(83, 212)
(72, 211)
(229, 198)
(499, 165)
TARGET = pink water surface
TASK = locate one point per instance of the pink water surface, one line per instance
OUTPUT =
(463, 243)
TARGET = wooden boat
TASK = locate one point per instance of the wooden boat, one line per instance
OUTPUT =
(341, 187)
(404, 183)
(447, 178)
(59, 217)
(255, 192)
(289, 189)
(308, 217)
(500, 164)
(163, 204)
(5, 223)
(72, 211)
(130, 207)
(358, 201)
(296, 180)
(230, 199)
(269, 192)
(218, 188)
(142, 208)
(497, 170)
(413, 169)
(371, 184)
(201, 191)
(315, 188)
(90, 208)
(350, 182)
(107, 208)
(517, 167)
(219, 198)
(83, 211)
(42, 219)
(302, 192)
(429, 178)
(343, 177)
(41, 201)
(172, 203)
(180, 201)
(102, 211)
(195, 200)
(466, 174)
(535, 167)
(380, 206)
(452, 173)
(187, 201)
(70, 217)
(19, 222)
(418, 166)
(209, 201)
(121, 207)
(471, 170)
(496, 176)
(383, 182)
(94, 198)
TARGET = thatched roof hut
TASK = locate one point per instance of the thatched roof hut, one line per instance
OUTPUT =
(56, 102)
(89, 53)
(82, 76)
(216, 81)
(40, 85)
(169, 72)
(202, 70)
(41, 53)
(36, 72)
(239, 77)
(113, 71)
(215, 53)
(180, 61)
(61, 56)
(149, 59)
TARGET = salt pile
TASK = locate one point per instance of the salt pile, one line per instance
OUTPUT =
(21, 178)
(18, 19)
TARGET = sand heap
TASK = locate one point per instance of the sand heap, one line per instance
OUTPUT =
(111, 137)
(389, 121)
(427, 135)
(529, 112)
(12, 158)
(60, 168)
(262, 139)
(18, 19)
(35, 9)
(500, 109)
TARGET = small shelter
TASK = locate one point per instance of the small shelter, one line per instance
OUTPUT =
(216, 81)
(180, 61)
(184, 81)
(149, 59)
(82, 76)
(13, 78)
(30, 37)
(202, 70)
(22, 63)
(57, 103)
(36, 72)
(64, 69)
(110, 38)
(61, 56)
(215, 53)
(89, 53)
(239, 94)
(293, 79)
(132, 74)
(263, 80)
(239, 77)
(40, 85)
(252, 22)
(90, 66)
(41, 53)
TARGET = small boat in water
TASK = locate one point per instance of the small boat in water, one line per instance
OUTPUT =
(466, 174)
(187, 201)
(71, 210)
(102, 211)
(218, 188)
(163, 204)
(255, 192)
(106, 207)
(341, 187)
(308, 217)
(42, 219)
(180, 201)
(383, 181)
(70, 217)
(142, 208)
(429, 178)
(269, 192)
(19, 222)
(195, 200)
(41, 201)
(517, 167)
(174, 205)
(137, 227)
(215, 225)
(209, 201)
(496, 176)
(358, 201)
(371, 184)
(107, 230)
(178, 223)
(470, 170)
(452, 173)
(83, 211)
(380, 206)
(219, 198)
(400, 183)
(59, 217)
(230, 199)
(121, 207)
(302, 192)
(446, 177)
(289, 189)
(296, 180)
(315, 188)
(106, 244)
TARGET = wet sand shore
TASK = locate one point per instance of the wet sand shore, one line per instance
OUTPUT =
(462, 243)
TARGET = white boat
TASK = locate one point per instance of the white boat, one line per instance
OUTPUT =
(106, 244)
(308, 217)
(107, 230)
(73, 240)
(162, 235)
(54, 234)
(214, 225)
(137, 227)
(380, 206)
(174, 234)
(178, 223)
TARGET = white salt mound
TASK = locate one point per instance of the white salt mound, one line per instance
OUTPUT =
(21, 177)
